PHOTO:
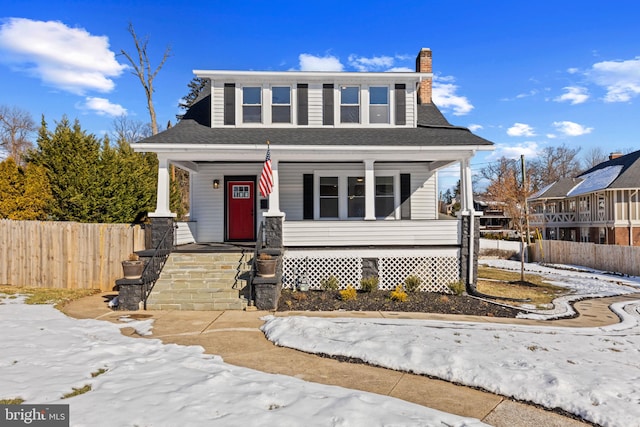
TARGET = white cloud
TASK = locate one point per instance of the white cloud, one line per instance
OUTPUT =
(104, 107)
(529, 149)
(400, 70)
(571, 129)
(66, 58)
(621, 79)
(475, 127)
(319, 63)
(572, 70)
(444, 96)
(375, 63)
(520, 129)
(527, 94)
(574, 95)
(551, 136)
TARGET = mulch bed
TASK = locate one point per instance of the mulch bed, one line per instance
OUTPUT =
(422, 302)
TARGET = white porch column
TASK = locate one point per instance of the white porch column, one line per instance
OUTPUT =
(274, 197)
(162, 202)
(369, 191)
(466, 190)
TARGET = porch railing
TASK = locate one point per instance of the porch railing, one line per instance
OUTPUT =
(252, 270)
(154, 265)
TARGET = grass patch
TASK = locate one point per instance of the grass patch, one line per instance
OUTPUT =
(16, 401)
(58, 297)
(507, 284)
(78, 391)
(485, 272)
(98, 372)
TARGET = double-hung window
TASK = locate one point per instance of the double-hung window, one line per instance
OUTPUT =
(251, 104)
(349, 104)
(385, 197)
(329, 194)
(281, 104)
(378, 104)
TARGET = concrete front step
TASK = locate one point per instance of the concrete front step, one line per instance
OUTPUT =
(206, 281)
(218, 305)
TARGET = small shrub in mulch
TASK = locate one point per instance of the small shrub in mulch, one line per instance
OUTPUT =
(378, 300)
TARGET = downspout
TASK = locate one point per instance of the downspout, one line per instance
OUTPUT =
(472, 220)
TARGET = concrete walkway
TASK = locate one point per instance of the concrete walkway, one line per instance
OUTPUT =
(236, 337)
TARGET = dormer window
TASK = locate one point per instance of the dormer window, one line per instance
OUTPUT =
(251, 104)
(349, 104)
(378, 104)
(281, 104)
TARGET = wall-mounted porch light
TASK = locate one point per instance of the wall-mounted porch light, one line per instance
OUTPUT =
(216, 184)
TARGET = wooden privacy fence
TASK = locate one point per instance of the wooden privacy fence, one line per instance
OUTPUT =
(47, 254)
(615, 258)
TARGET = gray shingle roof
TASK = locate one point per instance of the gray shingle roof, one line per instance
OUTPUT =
(433, 130)
(190, 132)
(557, 190)
(629, 176)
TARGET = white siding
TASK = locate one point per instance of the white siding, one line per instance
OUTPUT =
(315, 105)
(185, 233)
(217, 104)
(365, 233)
(424, 194)
(412, 101)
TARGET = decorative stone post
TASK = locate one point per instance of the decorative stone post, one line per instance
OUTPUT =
(273, 231)
(268, 289)
(469, 250)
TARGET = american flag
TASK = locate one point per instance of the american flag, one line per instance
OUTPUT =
(266, 177)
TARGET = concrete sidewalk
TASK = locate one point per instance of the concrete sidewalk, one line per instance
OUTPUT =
(236, 337)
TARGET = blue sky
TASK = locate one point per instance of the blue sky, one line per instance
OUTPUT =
(523, 75)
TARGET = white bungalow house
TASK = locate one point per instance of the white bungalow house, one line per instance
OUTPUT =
(355, 159)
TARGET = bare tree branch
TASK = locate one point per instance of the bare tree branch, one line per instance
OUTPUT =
(15, 127)
(142, 69)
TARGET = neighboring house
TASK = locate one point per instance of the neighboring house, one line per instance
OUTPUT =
(355, 159)
(602, 205)
(493, 218)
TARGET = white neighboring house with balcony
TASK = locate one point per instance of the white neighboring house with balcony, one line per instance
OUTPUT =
(602, 205)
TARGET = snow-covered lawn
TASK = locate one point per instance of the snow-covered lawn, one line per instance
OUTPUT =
(45, 354)
(591, 372)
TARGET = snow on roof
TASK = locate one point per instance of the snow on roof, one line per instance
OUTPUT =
(596, 180)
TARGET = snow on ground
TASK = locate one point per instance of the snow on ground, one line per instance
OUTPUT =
(45, 355)
(591, 372)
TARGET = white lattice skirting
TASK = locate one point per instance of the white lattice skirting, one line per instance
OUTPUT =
(437, 269)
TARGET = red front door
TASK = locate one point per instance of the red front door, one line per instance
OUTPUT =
(241, 210)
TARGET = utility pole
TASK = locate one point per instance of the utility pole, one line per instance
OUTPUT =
(525, 190)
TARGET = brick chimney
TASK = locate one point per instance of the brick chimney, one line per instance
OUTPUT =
(614, 155)
(423, 65)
